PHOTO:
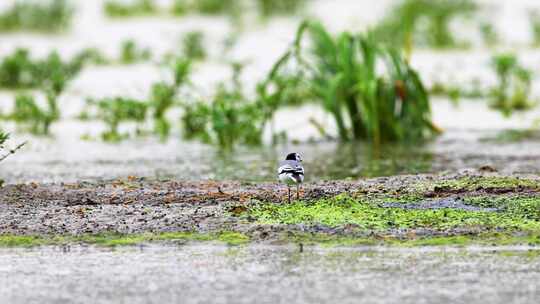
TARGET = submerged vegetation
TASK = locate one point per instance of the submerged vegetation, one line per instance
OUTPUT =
(38, 16)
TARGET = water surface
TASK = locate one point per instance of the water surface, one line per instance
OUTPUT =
(269, 274)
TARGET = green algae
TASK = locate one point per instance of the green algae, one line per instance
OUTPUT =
(483, 239)
(115, 239)
(476, 183)
(526, 206)
(305, 239)
(366, 214)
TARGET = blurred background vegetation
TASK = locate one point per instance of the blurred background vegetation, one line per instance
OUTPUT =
(363, 78)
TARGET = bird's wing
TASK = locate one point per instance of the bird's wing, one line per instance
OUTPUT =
(290, 167)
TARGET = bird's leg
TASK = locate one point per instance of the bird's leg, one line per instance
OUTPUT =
(297, 191)
(289, 193)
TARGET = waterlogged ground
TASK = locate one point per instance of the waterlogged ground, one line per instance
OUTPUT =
(69, 205)
(66, 158)
(472, 207)
(269, 274)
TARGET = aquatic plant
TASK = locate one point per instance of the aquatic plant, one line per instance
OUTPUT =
(268, 8)
(51, 77)
(180, 7)
(472, 90)
(193, 45)
(38, 16)
(514, 84)
(117, 110)
(371, 91)
(534, 19)
(215, 7)
(121, 9)
(162, 97)
(20, 71)
(3, 139)
(90, 56)
(489, 35)
(131, 53)
(31, 116)
(423, 23)
(229, 119)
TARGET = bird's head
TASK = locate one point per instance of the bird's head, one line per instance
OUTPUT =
(294, 156)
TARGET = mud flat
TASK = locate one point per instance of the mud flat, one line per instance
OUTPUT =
(469, 207)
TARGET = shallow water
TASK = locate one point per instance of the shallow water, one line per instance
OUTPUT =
(64, 157)
(269, 274)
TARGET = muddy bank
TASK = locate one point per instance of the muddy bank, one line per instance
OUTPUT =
(260, 211)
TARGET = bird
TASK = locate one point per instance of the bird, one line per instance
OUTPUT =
(291, 172)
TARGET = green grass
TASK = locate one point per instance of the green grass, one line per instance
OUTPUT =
(132, 53)
(20, 70)
(534, 19)
(513, 90)
(268, 8)
(117, 110)
(193, 45)
(48, 16)
(230, 119)
(344, 74)
(423, 23)
(33, 117)
(135, 8)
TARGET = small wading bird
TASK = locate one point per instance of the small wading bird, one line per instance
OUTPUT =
(291, 172)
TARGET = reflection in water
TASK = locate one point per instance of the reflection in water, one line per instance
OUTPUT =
(324, 161)
(68, 159)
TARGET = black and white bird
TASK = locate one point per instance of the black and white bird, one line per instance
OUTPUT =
(291, 172)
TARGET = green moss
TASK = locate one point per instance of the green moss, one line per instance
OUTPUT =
(368, 214)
